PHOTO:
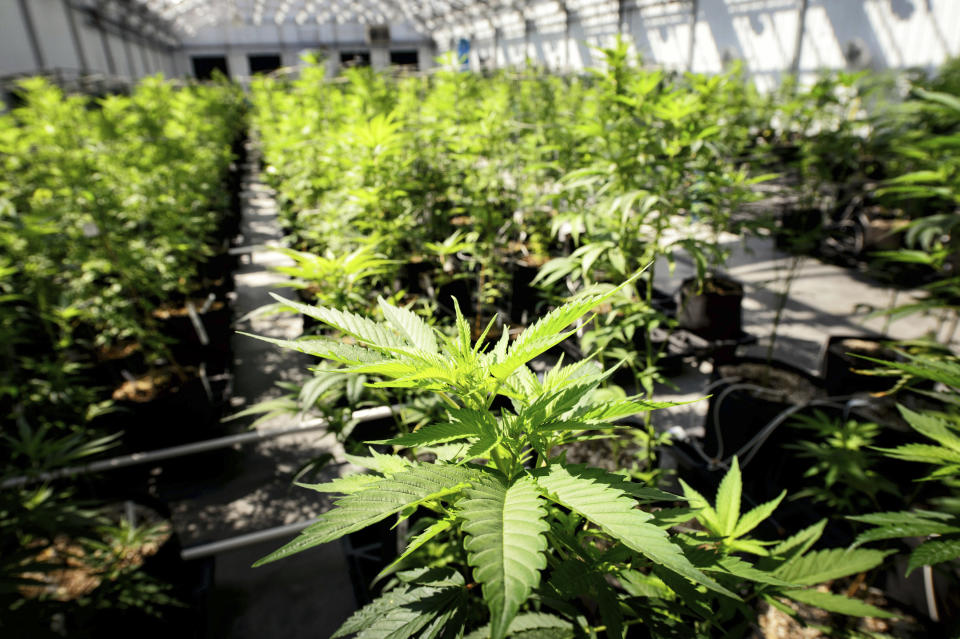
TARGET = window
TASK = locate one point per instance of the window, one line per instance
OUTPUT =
(264, 63)
(355, 58)
(204, 66)
(405, 58)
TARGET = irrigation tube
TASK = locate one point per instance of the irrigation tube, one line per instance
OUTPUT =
(134, 459)
(232, 543)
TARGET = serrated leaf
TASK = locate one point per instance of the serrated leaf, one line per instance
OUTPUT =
(546, 333)
(646, 493)
(745, 570)
(434, 434)
(377, 502)
(411, 326)
(402, 612)
(345, 485)
(627, 408)
(728, 500)
(933, 552)
(925, 453)
(824, 565)
(931, 426)
(837, 603)
(325, 348)
(505, 530)
(801, 541)
(595, 494)
(705, 512)
(755, 516)
(897, 525)
(357, 326)
(530, 621)
(378, 462)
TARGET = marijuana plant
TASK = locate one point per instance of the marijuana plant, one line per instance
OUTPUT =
(940, 528)
(550, 546)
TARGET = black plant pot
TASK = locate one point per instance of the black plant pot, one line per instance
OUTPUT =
(180, 412)
(840, 362)
(416, 276)
(370, 431)
(714, 311)
(461, 289)
(523, 295)
(369, 551)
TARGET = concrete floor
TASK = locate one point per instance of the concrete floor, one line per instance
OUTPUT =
(823, 300)
(311, 594)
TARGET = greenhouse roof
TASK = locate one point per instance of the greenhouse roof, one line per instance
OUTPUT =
(427, 15)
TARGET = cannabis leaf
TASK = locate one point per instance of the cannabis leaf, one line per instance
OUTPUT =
(505, 527)
(377, 502)
(596, 495)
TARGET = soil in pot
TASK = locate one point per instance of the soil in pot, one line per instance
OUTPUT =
(712, 311)
(164, 407)
(176, 323)
(113, 364)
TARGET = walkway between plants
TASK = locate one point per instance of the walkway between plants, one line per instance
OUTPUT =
(823, 300)
(310, 595)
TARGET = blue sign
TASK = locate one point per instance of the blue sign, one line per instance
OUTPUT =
(463, 53)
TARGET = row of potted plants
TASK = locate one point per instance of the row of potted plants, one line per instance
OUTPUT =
(449, 195)
(115, 216)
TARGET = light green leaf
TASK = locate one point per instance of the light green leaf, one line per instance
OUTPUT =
(357, 326)
(344, 485)
(800, 542)
(546, 333)
(377, 502)
(930, 425)
(559, 628)
(728, 500)
(756, 515)
(824, 565)
(416, 543)
(932, 552)
(403, 611)
(505, 529)
(837, 603)
(595, 494)
(435, 434)
(378, 462)
(705, 512)
(411, 326)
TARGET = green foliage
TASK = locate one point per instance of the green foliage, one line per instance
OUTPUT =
(940, 529)
(724, 521)
(535, 533)
(841, 462)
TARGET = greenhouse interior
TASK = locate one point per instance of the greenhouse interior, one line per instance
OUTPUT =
(433, 318)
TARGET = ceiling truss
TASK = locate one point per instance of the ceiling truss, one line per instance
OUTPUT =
(426, 16)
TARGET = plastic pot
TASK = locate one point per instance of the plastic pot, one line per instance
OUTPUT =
(712, 311)
(839, 363)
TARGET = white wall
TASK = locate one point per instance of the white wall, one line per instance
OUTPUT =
(59, 47)
(16, 55)
(891, 34)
